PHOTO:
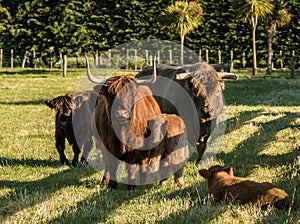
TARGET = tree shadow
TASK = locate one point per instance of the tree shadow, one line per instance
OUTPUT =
(30, 102)
(237, 122)
(262, 91)
(102, 204)
(45, 188)
(199, 205)
(99, 206)
(28, 162)
(36, 72)
(247, 159)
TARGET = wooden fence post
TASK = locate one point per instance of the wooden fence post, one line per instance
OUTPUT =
(34, 60)
(292, 65)
(281, 62)
(200, 56)
(12, 58)
(170, 56)
(147, 57)
(65, 66)
(1, 57)
(219, 55)
(51, 61)
(100, 59)
(231, 60)
(244, 59)
(61, 60)
(127, 59)
(109, 58)
(96, 58)
(24, 60)
(206, 53)
(135, 59)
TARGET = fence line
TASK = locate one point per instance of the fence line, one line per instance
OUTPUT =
(134, 60)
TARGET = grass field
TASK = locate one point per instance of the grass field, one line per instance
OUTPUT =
(261, 141)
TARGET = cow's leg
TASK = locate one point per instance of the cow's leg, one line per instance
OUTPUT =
(86, 150)
(205, 130)
(106, 176)
(131, 170)
(60, 147)
(201, 146)
(112, 169)
(76, 151)
(152, 170)
(164, 164)
(178, 177)
(111, 166)
(142, 171)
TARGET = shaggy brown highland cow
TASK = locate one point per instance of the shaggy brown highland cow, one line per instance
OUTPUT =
(171, 154)
(222, 184)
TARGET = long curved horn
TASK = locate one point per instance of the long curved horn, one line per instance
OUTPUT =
(89, 74)
(227, 75)
(153, 78)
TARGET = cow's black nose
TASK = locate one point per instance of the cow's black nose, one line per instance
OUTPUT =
(122, 114)
(64, 121)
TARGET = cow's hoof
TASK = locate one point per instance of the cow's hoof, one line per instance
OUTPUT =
(112, 184)
(163, 182)
(65, 162)
(148, 186)
(74, 163)
(83, 160)
(179, 181)
(131, 187)
(105, 180)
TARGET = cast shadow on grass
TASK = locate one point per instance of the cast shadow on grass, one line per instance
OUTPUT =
(26, 194)
(246, 154)
(36, 72)
(28, 162)
(260, 91)
(99, 207)
(102, 206)
(198, 205)
(30, 102)
(235, 123)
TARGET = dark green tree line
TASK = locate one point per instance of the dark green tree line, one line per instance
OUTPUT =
(77, 26)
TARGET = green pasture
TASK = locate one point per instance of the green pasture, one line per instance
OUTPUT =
(261, 141)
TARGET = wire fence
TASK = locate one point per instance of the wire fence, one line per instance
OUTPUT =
(134, 59)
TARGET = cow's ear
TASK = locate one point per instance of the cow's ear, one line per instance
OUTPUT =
(97, 88)
(230, 171)
(71, 95)
(50, 103)
(205, 173)
(183, 75)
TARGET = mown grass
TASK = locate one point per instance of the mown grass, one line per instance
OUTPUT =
(261, 141)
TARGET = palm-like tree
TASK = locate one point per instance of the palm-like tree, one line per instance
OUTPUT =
(183, 17)
(279, 17)
(252, 10)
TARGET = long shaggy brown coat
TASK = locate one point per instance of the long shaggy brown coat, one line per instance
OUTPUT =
(222, 184)
(137, 105)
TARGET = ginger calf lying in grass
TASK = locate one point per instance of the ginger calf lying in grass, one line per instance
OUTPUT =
(222, 184)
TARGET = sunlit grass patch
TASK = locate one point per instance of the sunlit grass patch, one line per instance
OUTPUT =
(261, 141)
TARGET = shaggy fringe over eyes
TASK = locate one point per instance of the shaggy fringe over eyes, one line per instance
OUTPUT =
(116, 83)
(142, 95)
(65, 101)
